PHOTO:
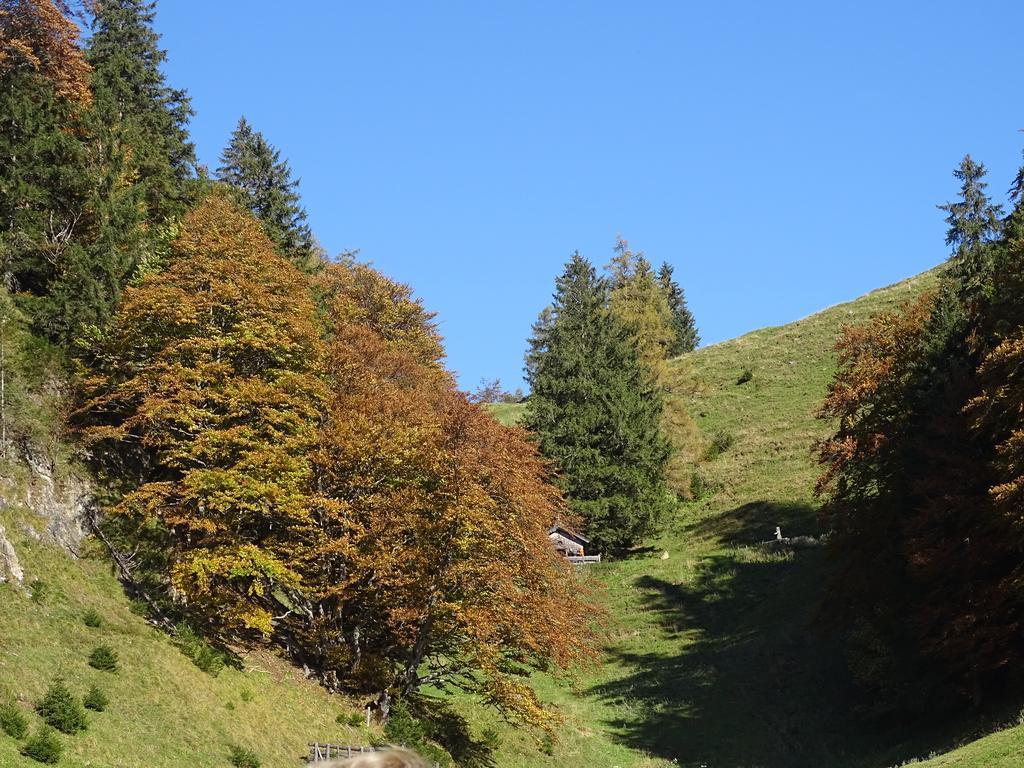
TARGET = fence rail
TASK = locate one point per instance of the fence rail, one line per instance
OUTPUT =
(584, 559)
(320, 751)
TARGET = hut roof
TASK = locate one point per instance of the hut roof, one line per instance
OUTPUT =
(568, 533)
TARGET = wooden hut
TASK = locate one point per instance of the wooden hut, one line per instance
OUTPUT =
(571, 544)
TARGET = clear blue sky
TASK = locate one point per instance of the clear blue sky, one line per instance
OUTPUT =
(784, 156)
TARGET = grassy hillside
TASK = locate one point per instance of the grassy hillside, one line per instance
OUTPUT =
(164, 711)
(714, 656)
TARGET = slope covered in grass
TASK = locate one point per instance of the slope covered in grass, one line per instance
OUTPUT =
(715, 656)
(164, 711)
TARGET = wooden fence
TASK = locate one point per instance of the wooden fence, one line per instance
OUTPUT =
(584, 559)
(321, 752)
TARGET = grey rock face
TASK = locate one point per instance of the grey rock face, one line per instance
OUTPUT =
(61, 511)
(65, 506)
(10, 568)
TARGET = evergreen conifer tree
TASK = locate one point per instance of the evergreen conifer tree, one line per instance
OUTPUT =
(595, 410)
(71, 220)
(686, 336)
(138, 107)
(254, 167)
(973, 219)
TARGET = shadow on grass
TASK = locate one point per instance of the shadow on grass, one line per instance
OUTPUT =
(740, 677)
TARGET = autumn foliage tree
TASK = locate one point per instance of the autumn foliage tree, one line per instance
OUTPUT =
(319, 481)
(921, 474)
(38, 35)
(436, 565)
(205, 388)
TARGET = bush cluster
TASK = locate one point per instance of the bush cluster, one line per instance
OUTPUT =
(354, 719)
(721, 441)
(199, 651)
(92, 618)
(240, 757)
(404, 728)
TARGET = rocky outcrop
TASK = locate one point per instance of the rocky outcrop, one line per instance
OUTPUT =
(65, 506)
(44, 505)
(10, 568)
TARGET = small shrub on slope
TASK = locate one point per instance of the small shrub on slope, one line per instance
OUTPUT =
(721, 441)
(62, 710)
(44, 746)
(353, 719)
(404, 728)
(92, 618)
(200, 652)
(103, 658)
(39, 590)
(96, 700)
(241, 757)
(12, 721)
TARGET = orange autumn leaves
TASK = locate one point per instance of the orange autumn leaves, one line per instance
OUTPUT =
(319, 479)
(38, 35)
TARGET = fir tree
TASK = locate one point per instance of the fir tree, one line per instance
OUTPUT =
(72, 221)
(973, 219)
(595, 410)
(141, 111)
(254, 167)
(686, 337)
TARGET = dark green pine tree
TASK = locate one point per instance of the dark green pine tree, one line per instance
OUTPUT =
(973, 219)
(42, 195)
(1017, 189)
(595, 411)
(251, 165)
(70, 225)
(142, 113)
(686, 336)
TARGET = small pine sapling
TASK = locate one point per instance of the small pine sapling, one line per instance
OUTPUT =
(240, 757)
(103, 658)
(12, 720)
(60, 709)
(96, 700)
(44, 746)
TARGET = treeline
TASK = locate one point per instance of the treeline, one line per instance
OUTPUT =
(598, 370)
(924, 475)
(291, 462)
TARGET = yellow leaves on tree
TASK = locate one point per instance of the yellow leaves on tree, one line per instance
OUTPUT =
(319, 479)
(38, 35)
(209, 375)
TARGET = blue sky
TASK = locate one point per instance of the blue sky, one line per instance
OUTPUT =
(784, 156)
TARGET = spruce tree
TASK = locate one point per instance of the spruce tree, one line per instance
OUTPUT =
(264, 181)
(973, 219)
(140, 110)
(595, 410)
(71, 222)
(683, 324)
